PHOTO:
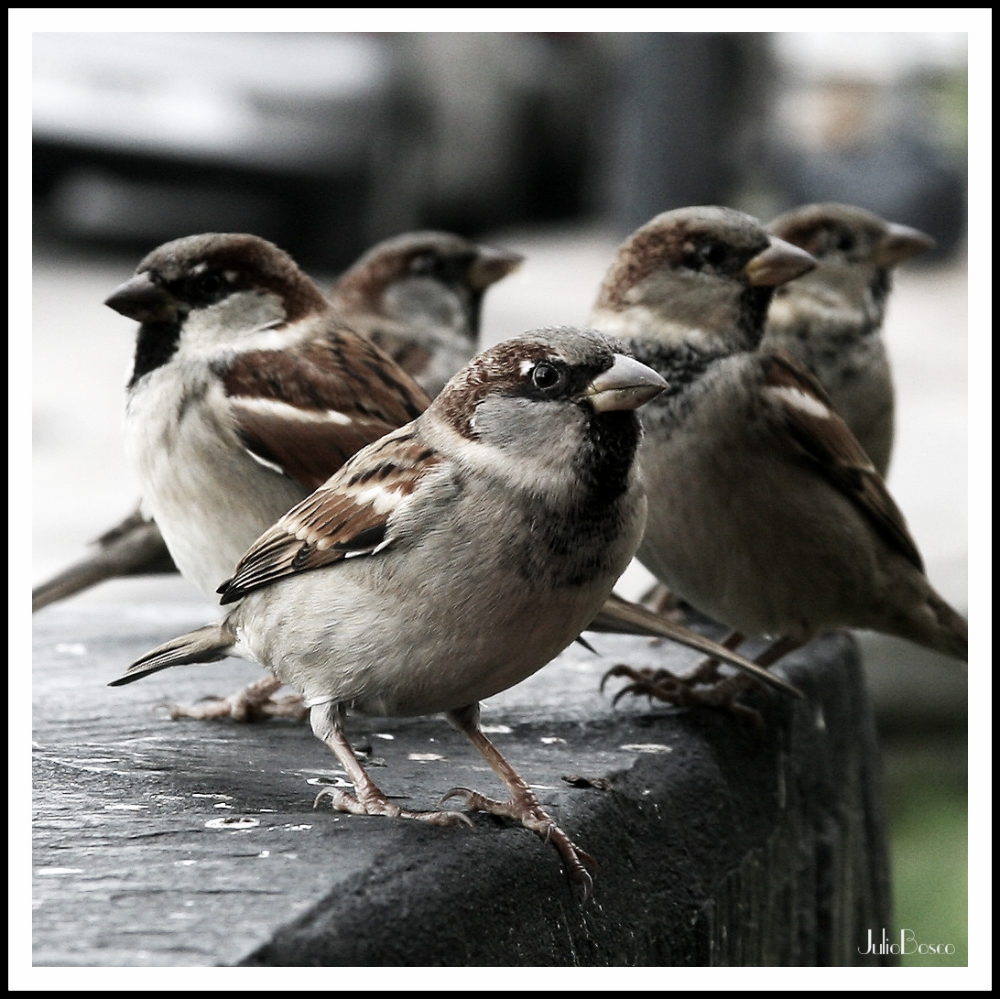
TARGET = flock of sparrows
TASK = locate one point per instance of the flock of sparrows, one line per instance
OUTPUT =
(400, 525)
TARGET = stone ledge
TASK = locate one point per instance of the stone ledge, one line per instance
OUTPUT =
(161, 844)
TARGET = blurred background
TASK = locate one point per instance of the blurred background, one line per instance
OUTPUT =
(326, 143)
(554, 144)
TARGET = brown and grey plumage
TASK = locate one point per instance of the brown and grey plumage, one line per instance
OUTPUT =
(247, 392)
(831, 318)
(417, 296)
(449, 560)
(765, 513)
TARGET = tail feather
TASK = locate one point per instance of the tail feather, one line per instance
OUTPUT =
(951, 636)
(926, 619)
(627, 618)
(134, 546)
(206, 645)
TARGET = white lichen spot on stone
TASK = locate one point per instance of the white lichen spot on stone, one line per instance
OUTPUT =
(647, 747)
(233, 822)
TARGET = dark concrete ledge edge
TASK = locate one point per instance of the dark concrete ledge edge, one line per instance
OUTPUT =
(736, 847)
(717, 842)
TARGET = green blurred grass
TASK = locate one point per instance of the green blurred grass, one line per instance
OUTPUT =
(927, 810)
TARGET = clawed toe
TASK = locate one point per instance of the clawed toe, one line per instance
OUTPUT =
(703, 688)
(532, 816)
(206, 709)
(341, 801)
(476, 802)
(723, 695)
(659, 684)
(640, 678)
(238, 707)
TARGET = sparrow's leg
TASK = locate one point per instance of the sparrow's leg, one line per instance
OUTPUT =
(715, 692)
(667, 686)
(721, 693)
(708, 671)
(327, 721)
(523, 806)
(252, 703)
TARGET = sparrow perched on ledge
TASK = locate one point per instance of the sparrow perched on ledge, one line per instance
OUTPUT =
(449, 560)
(830, 319)
(764, 511)
(248, 392)
(417, 296)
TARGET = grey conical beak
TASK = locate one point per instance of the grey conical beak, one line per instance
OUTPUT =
(899, 243)
(141, 299)
(779, 263)
(627, 384)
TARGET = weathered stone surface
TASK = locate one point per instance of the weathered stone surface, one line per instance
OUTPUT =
(160, 843)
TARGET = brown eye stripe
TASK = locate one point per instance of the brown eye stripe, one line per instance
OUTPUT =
(500, 371)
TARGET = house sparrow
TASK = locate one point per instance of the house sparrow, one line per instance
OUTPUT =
(247, 393)
(418, 296)
(764, 511)
(830, 319)
(449, 560)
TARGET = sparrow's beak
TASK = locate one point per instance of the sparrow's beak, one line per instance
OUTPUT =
(779, 263)
(492, 265)
(899, 243)
(627, 384)
(141, 299)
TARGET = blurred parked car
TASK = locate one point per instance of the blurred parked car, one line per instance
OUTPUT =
(149, 136)
(323, 142)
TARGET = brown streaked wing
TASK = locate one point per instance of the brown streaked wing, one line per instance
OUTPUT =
(829, 443)
(307, 411)
(347, 517)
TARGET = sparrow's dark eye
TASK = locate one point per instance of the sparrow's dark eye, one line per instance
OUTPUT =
(547, 377)
(203, 288)
(844, 242)
(209, 283)
(704, 255)
(425, 264)
(832, 240)
(712, 254)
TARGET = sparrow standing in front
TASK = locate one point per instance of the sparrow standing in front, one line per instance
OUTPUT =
(417, 296)
(451, 559)
(830, 319)
(764, 511)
